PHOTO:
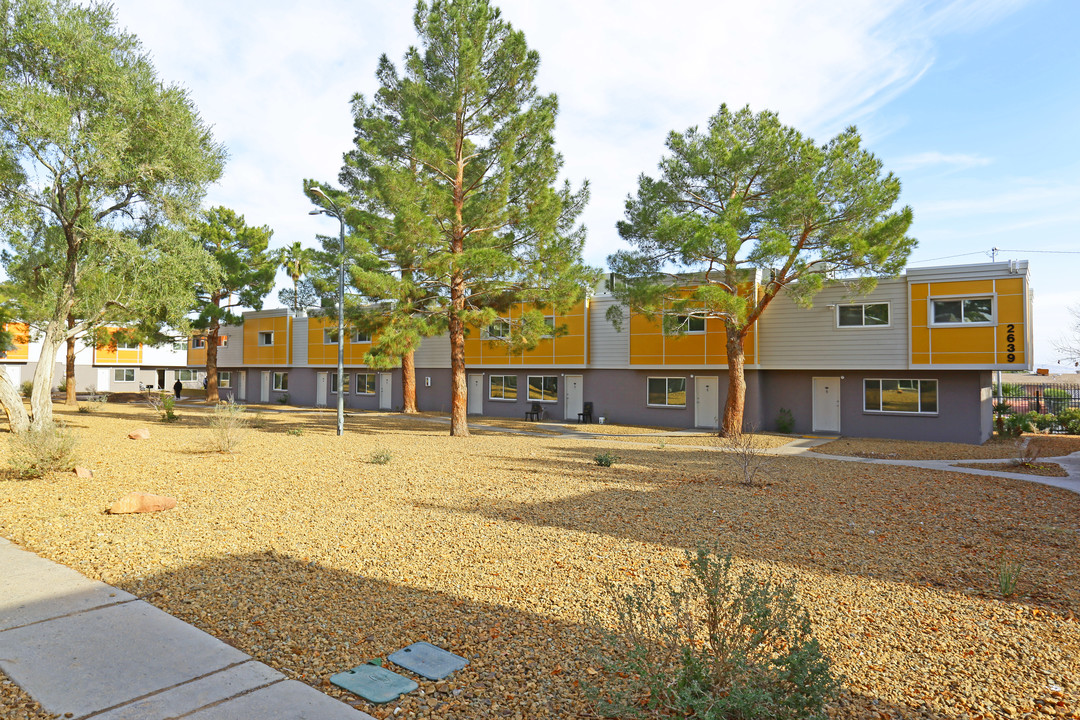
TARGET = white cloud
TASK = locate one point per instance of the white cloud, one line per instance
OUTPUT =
(954, 161)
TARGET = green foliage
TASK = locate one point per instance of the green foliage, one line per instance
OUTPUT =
(228, 426)
(295, 431)
(723, 645)
(1069, 421)
(26, 388)
(1007, 390)
(42, 450)
(164, 404)
(1018, 424)
(283, 398)
(296, 260)
(380, 457)
(1002, 408)
(748, 194)
(605, 459)
(785, 421)
(1008, 575)
(62, 385)
(1056, 399)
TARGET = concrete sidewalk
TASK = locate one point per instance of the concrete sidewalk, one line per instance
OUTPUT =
(82, 647)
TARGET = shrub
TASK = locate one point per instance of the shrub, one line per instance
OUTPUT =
(62, 386)
(1016, 425)
(283, 398)
(27, 388)
(1056, 399)
(164, 404)
(1043, 422)
(36, 453)
(295, 431)
(785, 422)
(228, 426)
(605, 459)
(1008, 575)
(724, 644)
(1069, 421)
(380, 457)
(746, 450)
(1008, 390)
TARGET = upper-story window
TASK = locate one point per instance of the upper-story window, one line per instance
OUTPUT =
(127, 345)
(198, 342)
(690, 324)
(266, 338)
(180, 345)
(359, 336)
(862, 315)
(962, 311)
(549, 321)
(329, 336)
(498, 329)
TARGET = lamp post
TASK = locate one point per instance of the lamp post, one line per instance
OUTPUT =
(335, 211)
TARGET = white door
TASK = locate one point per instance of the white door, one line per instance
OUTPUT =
(574, 396)
(241, 388)
(827, 404)
(476, 395)
(264, 388)
(320, 390)
(386, 386)
(707, 402)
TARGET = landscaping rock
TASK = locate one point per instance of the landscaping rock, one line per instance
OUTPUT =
(140, 502)
(140, 434)
(83, 472)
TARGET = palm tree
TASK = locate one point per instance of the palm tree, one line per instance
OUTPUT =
(296, 260)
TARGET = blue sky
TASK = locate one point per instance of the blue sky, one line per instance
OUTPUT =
(973, 103)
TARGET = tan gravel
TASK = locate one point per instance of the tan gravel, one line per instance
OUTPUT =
(300, 552)
(995, 448)
(1043, 469)
(17, 705)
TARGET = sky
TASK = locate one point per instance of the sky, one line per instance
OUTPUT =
(973, 104)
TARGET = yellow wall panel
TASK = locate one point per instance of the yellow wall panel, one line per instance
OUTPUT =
(1017, 358)
(920, 358)
(920, 340)
(962, 287)
(962, 358)
(20, 338)
(1010, 309)
(919, 316)
(961, 339)
(1010, 286)
(920, 291)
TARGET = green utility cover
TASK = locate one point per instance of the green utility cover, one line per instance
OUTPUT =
(374, 683)
(428, 661)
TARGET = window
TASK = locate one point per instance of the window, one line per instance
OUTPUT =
(667, 391)
(544, 388)
(550, 322)
(223, 340)
(964, 310)
(361, 337)
(499, 329)
(862, 315)
(180, 345)
(329, 336)
(198, 342)
(900, 396)
(127, 345)
(123, 374)
(187, 375)
(224, 379)
(690, 323)
(266, 338)
(333, 383)
(503, 387)
(365, 383)
(281, 381)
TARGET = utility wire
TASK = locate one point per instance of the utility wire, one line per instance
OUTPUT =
(948, 257)
(1000, 250)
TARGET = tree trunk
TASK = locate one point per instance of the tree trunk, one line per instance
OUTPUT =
(69, 370)
(211, 361)
(12, 402)
(736, 393)
(41, 396)
(459, 423)
(408, 382)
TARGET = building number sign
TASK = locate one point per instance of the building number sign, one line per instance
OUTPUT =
(1010, 338)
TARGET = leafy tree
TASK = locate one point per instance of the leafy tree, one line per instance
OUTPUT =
(100, 165)
(453, 187)
(248, 272)
(751, 193)
(296, 260)
(303, 295)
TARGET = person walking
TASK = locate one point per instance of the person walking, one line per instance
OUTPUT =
(178, 388)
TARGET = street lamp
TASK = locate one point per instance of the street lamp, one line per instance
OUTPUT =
(335, 211)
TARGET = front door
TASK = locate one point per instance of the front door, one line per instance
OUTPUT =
(707, 402)
(574, 396)
(827, 404)
(241, 388)
(264, 387)
(476, 395)
(161, 379)
(320, 390)
(386, 386)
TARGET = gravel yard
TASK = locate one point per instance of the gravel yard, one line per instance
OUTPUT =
(301, 552)
(995, 448)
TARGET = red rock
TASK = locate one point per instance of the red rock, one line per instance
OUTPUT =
(82, 472)
(140, 434)
(140, 502)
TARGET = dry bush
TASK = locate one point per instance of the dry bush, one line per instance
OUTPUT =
(747, 450)
(228, 426)
(35, 453)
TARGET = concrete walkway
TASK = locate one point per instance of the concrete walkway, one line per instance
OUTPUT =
(84, 649)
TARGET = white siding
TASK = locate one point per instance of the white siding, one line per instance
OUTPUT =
(300, 341)
(434, 352)
(608, 348)
(790, 337)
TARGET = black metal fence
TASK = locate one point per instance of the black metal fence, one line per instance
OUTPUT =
(1049, 398)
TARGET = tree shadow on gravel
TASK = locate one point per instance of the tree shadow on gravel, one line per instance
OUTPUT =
(922, 528)
(310, 622)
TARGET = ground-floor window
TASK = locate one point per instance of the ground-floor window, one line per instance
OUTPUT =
(334, 380)
(281, 381)
(187, 375)
(224, 379)
(365, 383)
(667, 391)
(123, 374)
(503, 387)
(900, 396)
(544, 388)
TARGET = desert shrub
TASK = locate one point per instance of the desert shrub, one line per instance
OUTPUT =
(746, 450)
(36, 453)
(283, 398)
(1018, 424)
(1043, 422)
(1069, 421)
(785, 421)
(295, 431)
(1008, 575)
(380, 457)
(26, 388)
(724, 644)
(164, 404)
(228, 426)
(605, 459)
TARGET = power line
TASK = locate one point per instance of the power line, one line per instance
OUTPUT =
(948, 257)
(995, 251)
(1056, 252)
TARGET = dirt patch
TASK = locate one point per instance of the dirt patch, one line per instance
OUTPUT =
(995, 448)
(300, 552)
(1028, 468)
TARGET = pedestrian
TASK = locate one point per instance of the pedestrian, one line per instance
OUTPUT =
(178, 388)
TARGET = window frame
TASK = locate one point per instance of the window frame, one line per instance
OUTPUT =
(667, 390)
(280, 381)
(358, 337)
(125, 371)
(863, 306)
(374, 384)
(180, 345)
(919, 381)
(198, 342)
(931, 302)
(502, 322)
(224, 379)
(265, 333)
(502, 385)
(543, 390)
(686, 319)
(347, 376)
(549, 320)
(192, 375)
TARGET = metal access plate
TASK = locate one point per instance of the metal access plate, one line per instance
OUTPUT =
(428, 661)
(374, 683)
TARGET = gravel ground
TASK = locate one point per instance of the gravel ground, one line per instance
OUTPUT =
(995, 448)
(17, 705)
(300, 552)
(1044, 469)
